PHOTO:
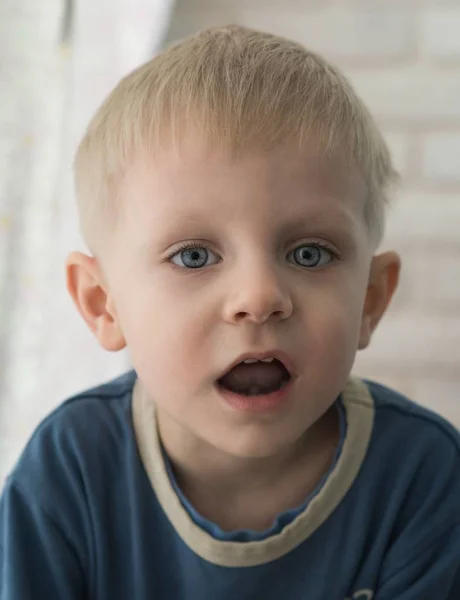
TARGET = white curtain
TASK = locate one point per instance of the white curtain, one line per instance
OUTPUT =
(58, 59)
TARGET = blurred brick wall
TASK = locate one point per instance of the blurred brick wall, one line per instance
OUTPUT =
(404, 59)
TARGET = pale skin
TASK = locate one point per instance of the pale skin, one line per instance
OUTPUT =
(184, 326)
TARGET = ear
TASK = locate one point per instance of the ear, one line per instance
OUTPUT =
(383, 281)
(85, 283)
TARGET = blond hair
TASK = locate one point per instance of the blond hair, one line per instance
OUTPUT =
(242, 89)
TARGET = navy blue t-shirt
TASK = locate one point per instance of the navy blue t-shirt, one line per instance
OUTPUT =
(92, 512)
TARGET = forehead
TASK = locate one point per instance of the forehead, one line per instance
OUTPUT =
(196, 181)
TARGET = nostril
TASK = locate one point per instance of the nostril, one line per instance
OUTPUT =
(259, 318)
(240, 316)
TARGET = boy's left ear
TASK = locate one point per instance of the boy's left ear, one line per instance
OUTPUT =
(383, 281)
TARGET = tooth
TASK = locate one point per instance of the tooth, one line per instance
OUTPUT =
(268, 360)
(249, 361)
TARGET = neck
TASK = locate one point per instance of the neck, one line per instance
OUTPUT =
(257, 489)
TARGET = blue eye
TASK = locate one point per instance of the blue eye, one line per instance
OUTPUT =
(193, 257)
(312, 255)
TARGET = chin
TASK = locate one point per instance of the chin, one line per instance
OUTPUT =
(254, 445)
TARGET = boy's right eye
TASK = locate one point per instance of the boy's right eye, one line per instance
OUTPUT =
(194, 257)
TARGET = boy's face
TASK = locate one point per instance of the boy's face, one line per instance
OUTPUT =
(215, 259)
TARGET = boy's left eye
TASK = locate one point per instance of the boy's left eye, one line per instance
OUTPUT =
(194, 257)
(311, 255)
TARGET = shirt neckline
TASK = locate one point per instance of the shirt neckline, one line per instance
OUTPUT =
(282, 520)
(359, 409)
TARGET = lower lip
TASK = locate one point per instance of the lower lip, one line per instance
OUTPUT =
(257, 404)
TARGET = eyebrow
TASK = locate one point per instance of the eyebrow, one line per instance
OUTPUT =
(335, 221)
(184, 227)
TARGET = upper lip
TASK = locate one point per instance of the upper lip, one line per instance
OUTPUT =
(280, 355)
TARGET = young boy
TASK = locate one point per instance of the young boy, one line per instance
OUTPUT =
(232, 194)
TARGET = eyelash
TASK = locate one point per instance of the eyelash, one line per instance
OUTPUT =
(191, 245)
(323, 245)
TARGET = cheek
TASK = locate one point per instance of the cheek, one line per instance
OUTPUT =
(167, 337)
(334, 327)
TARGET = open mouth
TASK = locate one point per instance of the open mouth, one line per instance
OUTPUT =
(254, 377)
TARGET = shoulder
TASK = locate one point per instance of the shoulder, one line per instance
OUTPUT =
(410, 478)
(403, 419)
(96, 412)
(84, 434)
(413, 461)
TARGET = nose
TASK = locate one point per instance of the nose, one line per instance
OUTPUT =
(257, 296)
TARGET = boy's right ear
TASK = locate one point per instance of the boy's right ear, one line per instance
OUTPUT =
(85, 284)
